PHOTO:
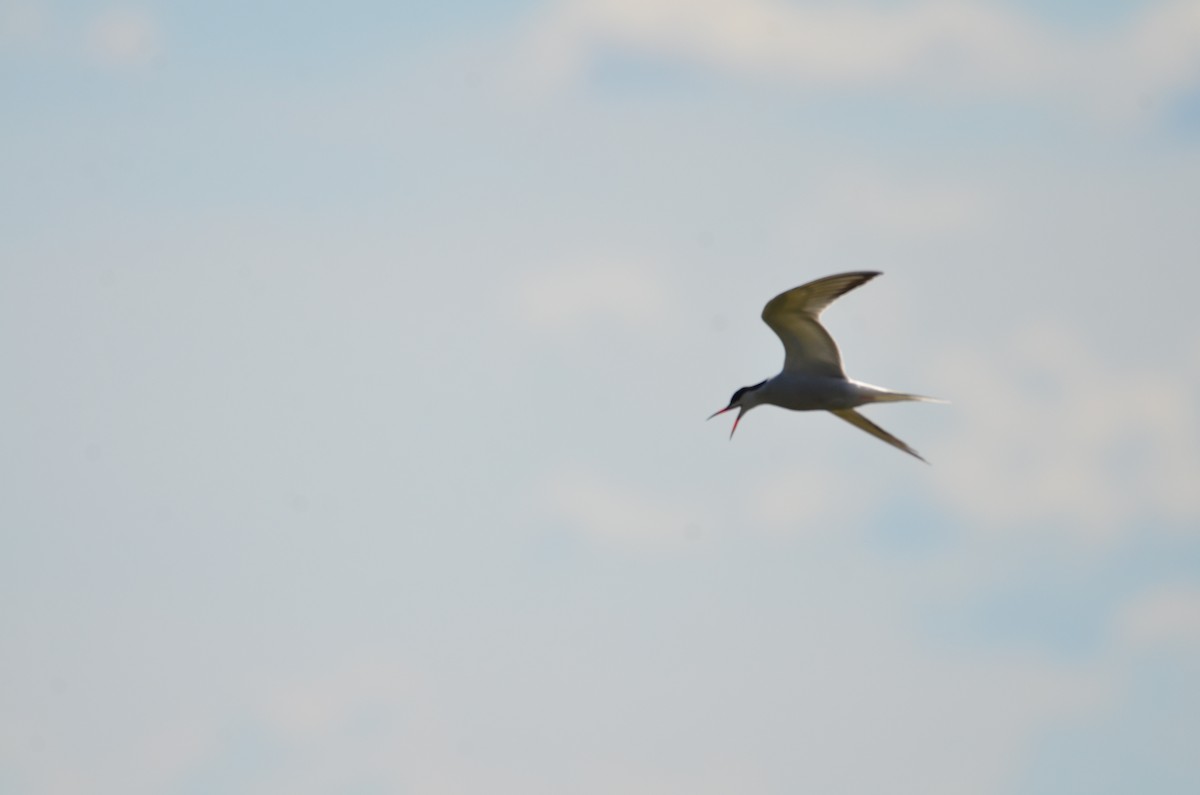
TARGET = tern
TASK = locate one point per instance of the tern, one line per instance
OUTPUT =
(812, 378)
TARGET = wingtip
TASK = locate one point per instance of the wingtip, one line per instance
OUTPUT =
(862, 423)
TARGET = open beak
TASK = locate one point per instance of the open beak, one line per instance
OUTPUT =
(736, 420)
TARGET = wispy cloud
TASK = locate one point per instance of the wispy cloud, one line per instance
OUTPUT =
(615, 514)
(1049, 433)
(366, 726)
(819, 45)
(126, 37)
(859, 201)
(22, 23)
(812, 498)
(1166, 616)
(118, 35)
(610, 291)
(930, 46)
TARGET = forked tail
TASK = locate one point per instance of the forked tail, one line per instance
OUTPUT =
(888, 396)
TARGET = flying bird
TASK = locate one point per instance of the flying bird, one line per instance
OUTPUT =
(812, 378)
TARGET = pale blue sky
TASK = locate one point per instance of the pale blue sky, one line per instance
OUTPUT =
(356, 365)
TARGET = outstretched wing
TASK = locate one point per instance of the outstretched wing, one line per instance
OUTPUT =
(807, 346)
(859, 421)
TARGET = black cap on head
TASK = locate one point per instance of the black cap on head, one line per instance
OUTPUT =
(744, 390)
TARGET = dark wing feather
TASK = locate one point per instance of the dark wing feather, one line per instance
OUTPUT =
(859, 421)
(793, 316)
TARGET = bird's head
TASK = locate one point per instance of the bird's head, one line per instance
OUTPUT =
(743, 400)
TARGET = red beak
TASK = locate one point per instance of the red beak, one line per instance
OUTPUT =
(736, 420)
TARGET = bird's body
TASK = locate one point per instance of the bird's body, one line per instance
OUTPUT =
(812, 378)
(800, 392)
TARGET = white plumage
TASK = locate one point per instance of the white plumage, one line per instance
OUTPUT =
(812, 378)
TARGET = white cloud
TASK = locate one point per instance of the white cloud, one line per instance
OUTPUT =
(857, 201)
(818, 45)
(367, 726)
(126, 37)
(116, 36)
(931, 45)
(810, 497)
(615, 514)
(1050, 434)
(22, 22)
(1167, 616)
(511, 721)
(1158, 56)
(614, 291)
